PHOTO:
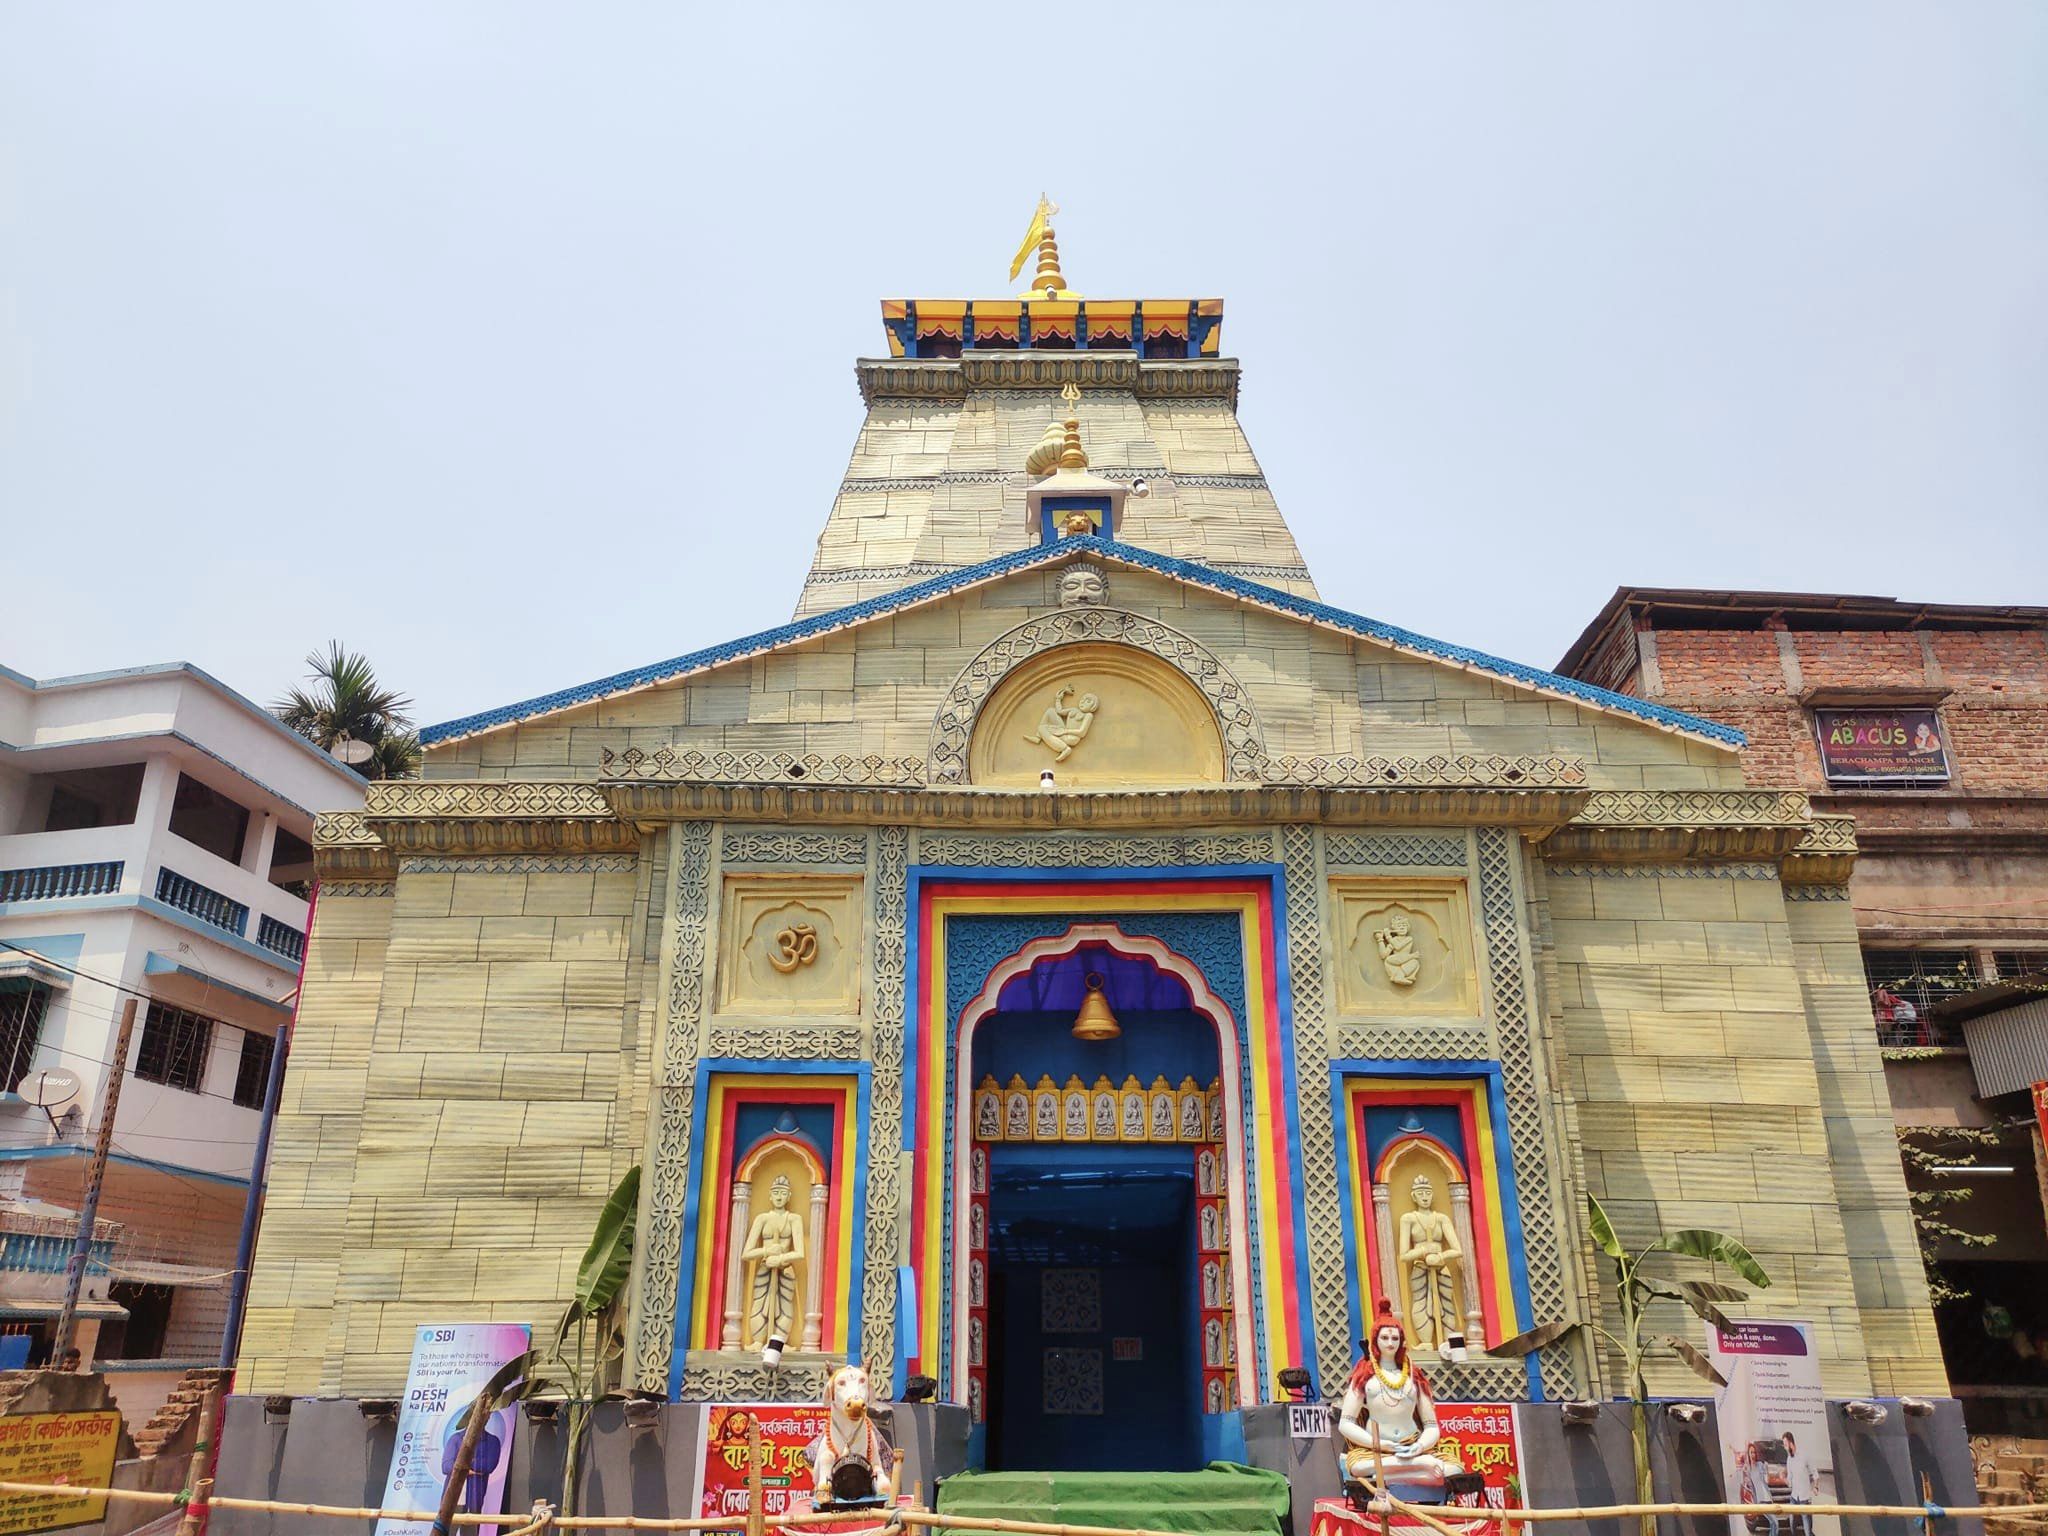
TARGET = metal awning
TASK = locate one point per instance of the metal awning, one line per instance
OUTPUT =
(160, 1272)
(158, 964)
(108, 1311)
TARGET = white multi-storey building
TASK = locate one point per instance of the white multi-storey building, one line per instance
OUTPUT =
(154, 846)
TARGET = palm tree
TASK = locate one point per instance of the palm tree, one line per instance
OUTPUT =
(349, 709)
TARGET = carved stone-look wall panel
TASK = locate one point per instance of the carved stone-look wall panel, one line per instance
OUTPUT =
(1403, 946)
(662, 1190)
(790, 944)
(820, 1042)
(1099, 716)
(1244, 748)
(889, 948)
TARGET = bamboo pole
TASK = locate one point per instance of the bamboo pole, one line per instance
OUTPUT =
(198, 1485)
(465, 1453)
(919, 1517)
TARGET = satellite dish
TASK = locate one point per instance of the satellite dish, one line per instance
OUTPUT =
(351, 751)
(50, 1087)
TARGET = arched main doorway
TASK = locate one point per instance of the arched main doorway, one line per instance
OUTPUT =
(1100, 1247)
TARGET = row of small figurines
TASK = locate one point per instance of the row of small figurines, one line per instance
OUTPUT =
(1048, 1111)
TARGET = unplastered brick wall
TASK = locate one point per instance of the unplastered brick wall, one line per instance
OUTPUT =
(1995, 681)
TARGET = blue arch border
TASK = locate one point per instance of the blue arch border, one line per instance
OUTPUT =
(693, 1194)
(1488, 1072)
(1272, 875)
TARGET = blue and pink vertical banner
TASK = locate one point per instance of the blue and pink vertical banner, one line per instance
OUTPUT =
(451, 1363)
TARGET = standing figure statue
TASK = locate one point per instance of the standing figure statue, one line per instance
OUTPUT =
(1387, 1421)
(775, 1247)
(1429, 1247)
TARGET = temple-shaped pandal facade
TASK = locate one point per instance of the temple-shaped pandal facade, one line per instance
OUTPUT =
(1113, 969)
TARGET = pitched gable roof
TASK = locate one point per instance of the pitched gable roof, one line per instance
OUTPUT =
(1113, 552)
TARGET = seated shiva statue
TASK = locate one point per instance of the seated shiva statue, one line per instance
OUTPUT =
(1388, 1420)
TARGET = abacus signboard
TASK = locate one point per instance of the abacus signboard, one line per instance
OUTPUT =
(1881, 746)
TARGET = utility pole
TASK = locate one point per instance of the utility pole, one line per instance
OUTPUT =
(95, 1176)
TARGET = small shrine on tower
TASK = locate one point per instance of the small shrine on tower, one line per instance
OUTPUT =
(1072, 969)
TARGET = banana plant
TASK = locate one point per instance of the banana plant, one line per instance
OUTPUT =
(590, 1340)
(1634, 1290)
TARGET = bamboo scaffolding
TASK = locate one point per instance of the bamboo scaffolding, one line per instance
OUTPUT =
(1426, 1514)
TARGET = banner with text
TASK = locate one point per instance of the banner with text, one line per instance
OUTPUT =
(72, 1448)
(450, 1365)
(1774, 1422)
(1875, 746)
(787, 1430)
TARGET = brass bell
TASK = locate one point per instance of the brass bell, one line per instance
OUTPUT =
(1095, 1021)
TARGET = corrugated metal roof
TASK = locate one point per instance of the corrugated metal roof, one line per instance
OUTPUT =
(2009, 1048)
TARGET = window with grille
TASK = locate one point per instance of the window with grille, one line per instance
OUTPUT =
(1906, 983)
(2021, 964)
(252, 1074)
(174, 1042)
(21, 1029)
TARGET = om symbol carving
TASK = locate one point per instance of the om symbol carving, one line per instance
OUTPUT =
(793, 947)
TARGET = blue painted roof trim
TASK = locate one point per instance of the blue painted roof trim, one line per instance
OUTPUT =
(1106, 549)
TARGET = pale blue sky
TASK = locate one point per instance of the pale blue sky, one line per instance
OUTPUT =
(513, 343)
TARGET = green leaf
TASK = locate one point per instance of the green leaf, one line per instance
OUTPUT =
(1603, 1231)
(1528, 1343)
(1702, 1304)
(609, 1258)
(1702, 1367)
(1717, 1248)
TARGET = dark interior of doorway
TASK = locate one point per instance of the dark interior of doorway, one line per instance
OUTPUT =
(1105, 1376)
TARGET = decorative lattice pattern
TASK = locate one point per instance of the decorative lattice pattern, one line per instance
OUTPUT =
(885, 1099)
(721, 1381)
(1322, 1198)
(1750, 871)
(485, 799)
(743, 846)
(521, 864)
(331, 889)
(1395, 850)
(822, 1042)
(1514, 1018)
(1792, 892)
(1694, 808)
(1453, 770)
(690, 906)
(1401, 1040)
(965, 849)
(343, 829)
(1244, 750)
(670, 765)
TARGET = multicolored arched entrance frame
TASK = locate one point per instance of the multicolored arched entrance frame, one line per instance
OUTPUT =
(1221, 928)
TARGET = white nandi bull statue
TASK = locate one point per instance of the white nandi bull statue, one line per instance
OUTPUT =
(849, 1462)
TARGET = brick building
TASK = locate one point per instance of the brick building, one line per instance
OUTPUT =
(1926, 723)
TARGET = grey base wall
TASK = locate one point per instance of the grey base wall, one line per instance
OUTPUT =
(326, 1452)
(1590, 1465)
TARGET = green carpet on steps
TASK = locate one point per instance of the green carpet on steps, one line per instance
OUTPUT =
(1223, 1499)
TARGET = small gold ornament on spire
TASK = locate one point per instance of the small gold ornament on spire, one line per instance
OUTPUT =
(1072, 455)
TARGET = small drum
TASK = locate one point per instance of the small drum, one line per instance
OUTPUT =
(853, 1480)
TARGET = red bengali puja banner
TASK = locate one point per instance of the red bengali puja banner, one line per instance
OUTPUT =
(787, 1430)
(1480, 1437)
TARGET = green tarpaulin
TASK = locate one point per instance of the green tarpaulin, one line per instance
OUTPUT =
(1221, 1500)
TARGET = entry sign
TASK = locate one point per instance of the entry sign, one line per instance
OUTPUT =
(74, 1448)
(450, 1365)
(1774, 1421)
(1882, 746)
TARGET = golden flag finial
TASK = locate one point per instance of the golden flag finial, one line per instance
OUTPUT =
(1048, 282)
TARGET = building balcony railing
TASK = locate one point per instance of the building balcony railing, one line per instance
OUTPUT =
(202, 902)
(281, 938)
(53, 882)
(46, 1254)
(1901, 1031)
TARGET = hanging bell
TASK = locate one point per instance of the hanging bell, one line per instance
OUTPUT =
(1095, 1021)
